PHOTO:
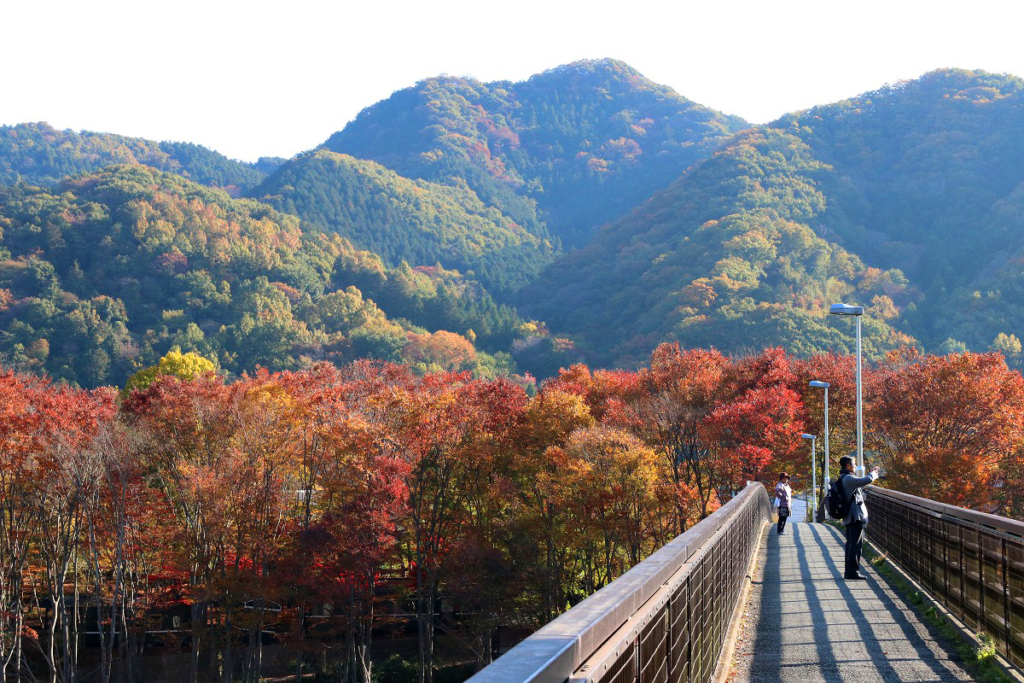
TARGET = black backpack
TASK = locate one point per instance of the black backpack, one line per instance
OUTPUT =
(836, 503)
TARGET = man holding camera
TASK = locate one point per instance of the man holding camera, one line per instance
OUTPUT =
(857, 517)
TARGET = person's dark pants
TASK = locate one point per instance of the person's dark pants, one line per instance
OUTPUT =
(782, 519)
(854, 543)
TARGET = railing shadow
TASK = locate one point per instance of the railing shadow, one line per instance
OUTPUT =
(836, 616)
(921, 650)
(767, 656)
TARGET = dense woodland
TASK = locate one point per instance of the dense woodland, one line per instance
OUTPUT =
(585, 214)
(38, 154)
(330, 507)
(408, 220)
(572, 147)
(906, 199)
(107, 272)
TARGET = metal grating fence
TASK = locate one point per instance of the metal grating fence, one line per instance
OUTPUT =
(664, 621)
(970, 562)
(679, 635)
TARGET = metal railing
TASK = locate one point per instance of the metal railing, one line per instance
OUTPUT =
(663, 621)
(970, 562)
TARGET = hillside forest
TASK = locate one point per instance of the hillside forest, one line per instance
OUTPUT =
(586, 214)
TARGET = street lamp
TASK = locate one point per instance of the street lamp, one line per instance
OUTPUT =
(815, 384)
(814, 474)
(857, 312)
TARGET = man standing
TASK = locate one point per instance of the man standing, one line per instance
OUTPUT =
(857, 517)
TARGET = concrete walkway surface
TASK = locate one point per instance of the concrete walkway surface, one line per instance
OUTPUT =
(804, 622)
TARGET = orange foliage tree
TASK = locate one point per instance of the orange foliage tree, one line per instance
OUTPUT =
(324, 504)
(946, 427)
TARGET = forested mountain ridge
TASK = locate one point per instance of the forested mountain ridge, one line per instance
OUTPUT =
(417, 221)
(872, 199)
(930, 179)
(724, 257)
(104, 274)
(39, 154)
(908, 199)
(573, 147)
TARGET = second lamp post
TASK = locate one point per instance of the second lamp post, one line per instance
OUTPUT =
(857, 312)
(813, 502)
(815, 384)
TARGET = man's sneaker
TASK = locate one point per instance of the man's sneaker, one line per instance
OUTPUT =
(855, 577)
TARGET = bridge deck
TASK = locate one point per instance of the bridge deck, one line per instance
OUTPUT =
(803, 622)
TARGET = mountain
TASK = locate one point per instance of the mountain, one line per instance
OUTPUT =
(417, 221)
(103, 274)
(904, 199)
(725, 257)
(39, 154)
(436, 208)
(929, 178)
(572, 148)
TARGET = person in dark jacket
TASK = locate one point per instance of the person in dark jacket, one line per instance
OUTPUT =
(857, 518)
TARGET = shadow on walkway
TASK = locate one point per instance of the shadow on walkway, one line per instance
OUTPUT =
(809, 624)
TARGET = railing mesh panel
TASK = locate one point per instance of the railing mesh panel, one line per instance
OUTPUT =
(665, 621)
(683, 643)
(975, 571)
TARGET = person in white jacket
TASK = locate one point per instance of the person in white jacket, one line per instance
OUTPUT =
(857, 518)
(783, 499)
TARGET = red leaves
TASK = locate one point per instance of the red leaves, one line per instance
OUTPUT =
(305, 488)
(945, 425)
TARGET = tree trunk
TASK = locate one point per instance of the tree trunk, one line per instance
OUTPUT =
(196, 613)
(302, 637)
(228, 663)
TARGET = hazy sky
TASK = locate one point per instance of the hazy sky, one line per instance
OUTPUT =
(258, 78)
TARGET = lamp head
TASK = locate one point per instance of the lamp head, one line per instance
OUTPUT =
(808, 436)
(819, 385)
(845, 309)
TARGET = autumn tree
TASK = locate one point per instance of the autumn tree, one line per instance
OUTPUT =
(552, 416)
(606, 482)
(22, 430)
(840, 372)
(188, 428)
(64, 477)
(682, 390)
(944, 427)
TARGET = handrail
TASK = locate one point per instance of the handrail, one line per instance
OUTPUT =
(970, 562)
(563, 646)
(1004, 524)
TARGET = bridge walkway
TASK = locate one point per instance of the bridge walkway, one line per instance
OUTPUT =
(803, 622)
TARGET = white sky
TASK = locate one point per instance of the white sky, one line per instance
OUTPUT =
(262, 78)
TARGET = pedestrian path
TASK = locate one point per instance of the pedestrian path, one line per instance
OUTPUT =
(804, 622)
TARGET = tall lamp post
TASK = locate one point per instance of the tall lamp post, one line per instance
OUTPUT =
(857, 312)
(815, 384)
(814, 475)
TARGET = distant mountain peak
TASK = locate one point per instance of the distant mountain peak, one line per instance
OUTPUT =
(569, 148)
(591, 66)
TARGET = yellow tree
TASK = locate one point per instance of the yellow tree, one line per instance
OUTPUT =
(551, 417)
(607, 484)
(184, 366)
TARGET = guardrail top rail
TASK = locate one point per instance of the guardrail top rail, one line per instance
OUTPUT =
(971, 562)
(558, 649)
(1004, 524)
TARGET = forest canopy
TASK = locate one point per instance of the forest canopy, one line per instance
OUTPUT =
(103, 275)
(585, 213)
